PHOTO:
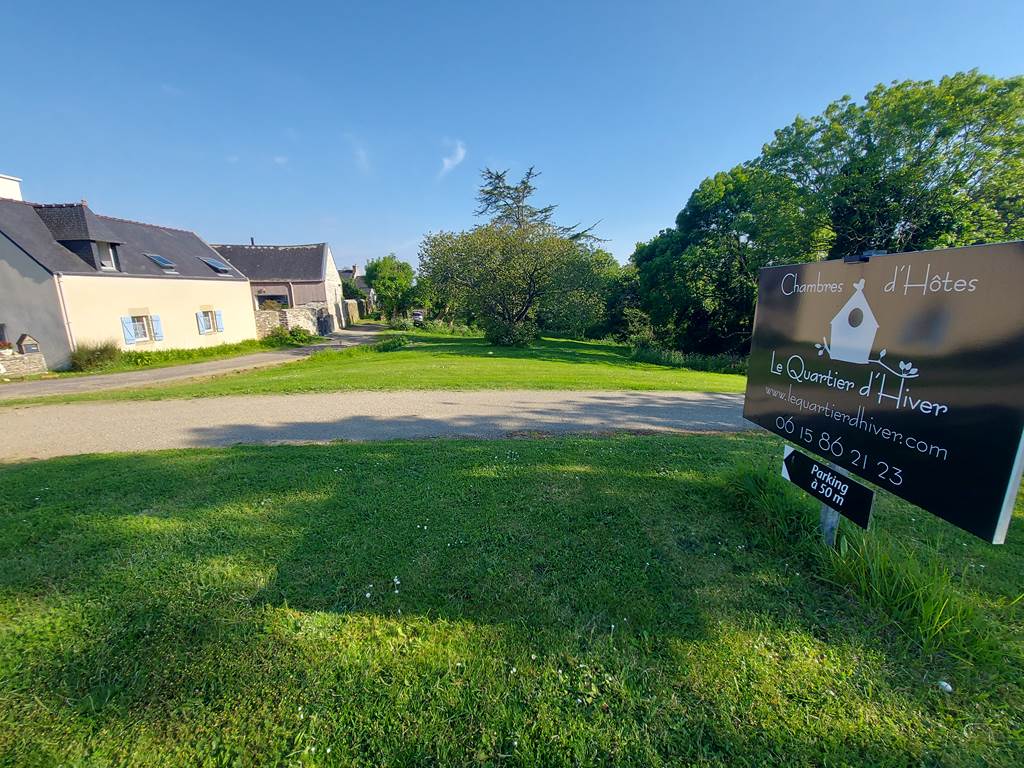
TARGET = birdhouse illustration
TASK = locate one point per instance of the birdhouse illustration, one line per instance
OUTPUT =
(853, 329)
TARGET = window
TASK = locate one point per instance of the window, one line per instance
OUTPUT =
(210, 321)
(141, 327)
(217, 265)
(163, 262)
(107, 256)
(138, 328)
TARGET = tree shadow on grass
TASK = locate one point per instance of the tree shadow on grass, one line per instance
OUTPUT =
(551, 350)
(259, 579)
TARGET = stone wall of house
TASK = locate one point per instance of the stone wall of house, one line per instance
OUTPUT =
(17, 365)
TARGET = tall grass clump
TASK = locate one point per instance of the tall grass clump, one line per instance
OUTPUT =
(650, 353)
(774, 514)
(96, 357)
(390, 344)
(917, 592)
(441, 328)
(912, 588)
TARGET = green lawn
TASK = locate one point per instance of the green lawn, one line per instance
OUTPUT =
(168, 358)
(444, 362)
(570, 601)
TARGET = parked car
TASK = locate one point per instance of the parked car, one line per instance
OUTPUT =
(417, 317)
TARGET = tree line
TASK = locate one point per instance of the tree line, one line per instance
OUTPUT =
(915, 165)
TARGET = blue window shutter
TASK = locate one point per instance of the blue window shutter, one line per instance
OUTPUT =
(201, 321)
(219, 318)
(158, 328)
(128, 329)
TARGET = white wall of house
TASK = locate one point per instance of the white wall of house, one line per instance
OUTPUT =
(10, 187)
(29, 304)
(97, 305)
(332, 287)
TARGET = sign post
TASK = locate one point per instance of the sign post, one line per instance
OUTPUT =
(906, 370)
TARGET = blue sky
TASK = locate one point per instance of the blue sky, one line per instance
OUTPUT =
(366, 124)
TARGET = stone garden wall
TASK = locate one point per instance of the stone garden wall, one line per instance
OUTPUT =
(295, 317)
(17, 365)
(266, 321)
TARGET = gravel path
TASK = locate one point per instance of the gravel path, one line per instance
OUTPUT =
(58, 430)
(350, 337)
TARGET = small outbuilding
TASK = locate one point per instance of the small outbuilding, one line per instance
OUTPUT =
(290, 276)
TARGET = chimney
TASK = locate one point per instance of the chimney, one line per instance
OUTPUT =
(252, 241)
(10, 187)
(355, 271)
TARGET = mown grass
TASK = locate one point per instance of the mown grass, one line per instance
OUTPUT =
(441, 362)
(135, 360)
(570, 601)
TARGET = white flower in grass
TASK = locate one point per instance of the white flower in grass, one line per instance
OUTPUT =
(533, 656)
(367, 595)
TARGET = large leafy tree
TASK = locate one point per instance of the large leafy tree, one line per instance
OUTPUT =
(916, 165)
(391, 279)
(520, 272)
(499, 275)
(576, 305)
(698, 281)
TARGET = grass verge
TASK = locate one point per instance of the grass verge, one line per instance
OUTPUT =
(570, 601)
(117, 360)
(442, 362)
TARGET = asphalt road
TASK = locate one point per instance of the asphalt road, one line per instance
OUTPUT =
(366, 334)
(45, 431)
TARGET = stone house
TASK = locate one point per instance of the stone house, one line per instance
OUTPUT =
(69, 276)
(291, 277)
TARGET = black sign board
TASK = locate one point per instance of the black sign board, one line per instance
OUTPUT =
(906, 370)
(829, 486)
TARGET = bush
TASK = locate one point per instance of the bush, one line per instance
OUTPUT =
(282, 337)
(349, 290)
(652, 353)
(93, 357)
(520, 334)
(401, 324)
(638, 332)
(446, 329)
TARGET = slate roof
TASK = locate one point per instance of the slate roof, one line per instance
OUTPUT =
(278, 263)
(36, 228)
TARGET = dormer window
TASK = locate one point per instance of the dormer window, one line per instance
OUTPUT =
(106, 256)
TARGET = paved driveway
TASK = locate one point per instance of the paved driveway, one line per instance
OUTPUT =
(364, 334)
(56, 430)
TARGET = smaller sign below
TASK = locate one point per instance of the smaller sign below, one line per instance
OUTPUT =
(827, 484)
